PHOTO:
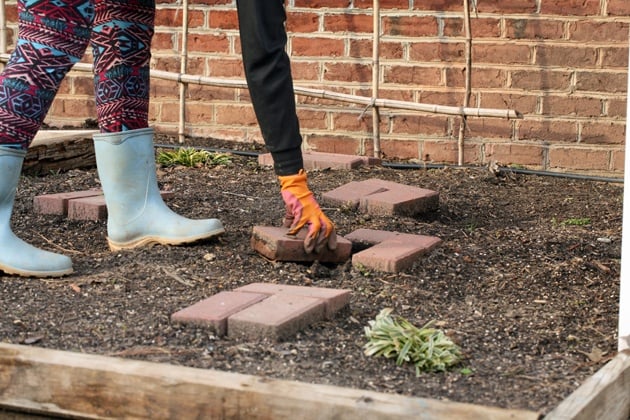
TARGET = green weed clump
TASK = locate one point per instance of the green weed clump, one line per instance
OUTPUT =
(193, 158)
(428, 348)
(577, 221)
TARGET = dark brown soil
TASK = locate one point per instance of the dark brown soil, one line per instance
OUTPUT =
(530, 295)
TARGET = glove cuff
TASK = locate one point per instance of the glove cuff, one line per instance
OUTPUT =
(292, 181)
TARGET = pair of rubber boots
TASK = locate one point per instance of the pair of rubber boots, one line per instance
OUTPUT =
(137, 216)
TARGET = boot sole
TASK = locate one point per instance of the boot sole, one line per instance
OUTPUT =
(157, 240)
(39, 274)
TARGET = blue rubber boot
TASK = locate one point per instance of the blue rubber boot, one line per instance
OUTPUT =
(16, 256)
(136, 214)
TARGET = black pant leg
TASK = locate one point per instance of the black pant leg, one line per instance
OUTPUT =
(268, 74)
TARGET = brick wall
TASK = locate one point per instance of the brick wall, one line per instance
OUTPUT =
(561, 63)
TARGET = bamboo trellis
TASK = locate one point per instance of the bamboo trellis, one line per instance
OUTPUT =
(376, 103)
(324, 94)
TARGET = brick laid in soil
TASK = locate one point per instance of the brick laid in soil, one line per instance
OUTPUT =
(276, 317)
(275, 244)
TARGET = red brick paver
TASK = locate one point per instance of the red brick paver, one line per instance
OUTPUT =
(78, 205)
(375, 196)
(215, 310)
(275, 244)
(264, 310)
(87, 208)
(370, 236)
(350, 194)
(276, 317)
(58, 203)
(393, 252)
(319, 160)
(333, 299)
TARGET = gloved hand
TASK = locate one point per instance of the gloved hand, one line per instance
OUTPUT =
(303, 210)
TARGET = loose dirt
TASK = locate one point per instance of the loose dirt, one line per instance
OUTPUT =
(526, 281)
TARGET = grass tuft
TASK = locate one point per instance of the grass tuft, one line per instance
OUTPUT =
(577, 221)
(193, 158)
(428, 348)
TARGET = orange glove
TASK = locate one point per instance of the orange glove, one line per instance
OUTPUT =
(303, 210)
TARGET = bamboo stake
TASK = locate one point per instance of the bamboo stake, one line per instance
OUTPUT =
(467, 78)
(324, 94)
(410, 106)
(376, 115)
(624, 286)
(183, 87)
(3, 28)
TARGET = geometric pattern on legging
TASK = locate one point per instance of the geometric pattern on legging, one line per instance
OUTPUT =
(52, 36)
(50, 40)
(121, 43)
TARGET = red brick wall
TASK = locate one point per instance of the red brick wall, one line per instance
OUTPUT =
(561, 63)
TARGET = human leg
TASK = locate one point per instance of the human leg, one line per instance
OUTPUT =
(17, 256)
(268, 73)
(51, 38)
(125, 156)
(121, 45)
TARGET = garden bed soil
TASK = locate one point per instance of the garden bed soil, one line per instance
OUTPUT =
(526, 281)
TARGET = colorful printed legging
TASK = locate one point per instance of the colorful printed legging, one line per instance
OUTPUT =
(52, 36)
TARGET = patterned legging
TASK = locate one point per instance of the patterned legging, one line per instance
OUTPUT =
(53, 35)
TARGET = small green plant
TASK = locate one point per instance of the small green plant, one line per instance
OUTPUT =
(577, 221)
(192, 158)
(365, 272)
(470, 227)
(466, 371)
(428, 348)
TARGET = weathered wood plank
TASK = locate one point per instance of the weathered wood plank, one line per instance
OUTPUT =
(89, 386)
(605, 395)
(56, 150)
(14, 415)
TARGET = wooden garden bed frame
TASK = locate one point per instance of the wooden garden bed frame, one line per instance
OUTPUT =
(62, 384)
(75, 385)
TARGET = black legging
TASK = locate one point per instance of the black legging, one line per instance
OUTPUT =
(268, 74)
